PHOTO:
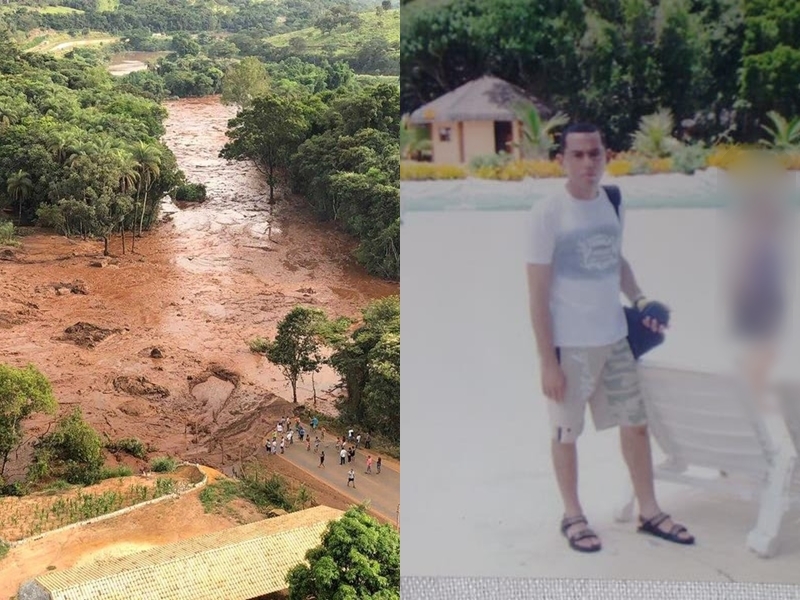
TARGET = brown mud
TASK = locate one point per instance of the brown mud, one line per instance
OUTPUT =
(153, 344)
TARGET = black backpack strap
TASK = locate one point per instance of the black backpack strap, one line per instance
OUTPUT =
(615, 196)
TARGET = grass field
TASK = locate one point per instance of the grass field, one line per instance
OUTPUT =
(41, 9)
(107, 5)
(59, 42)
(373, 79)
(387, 26)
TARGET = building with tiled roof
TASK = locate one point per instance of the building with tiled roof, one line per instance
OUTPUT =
(240, 563)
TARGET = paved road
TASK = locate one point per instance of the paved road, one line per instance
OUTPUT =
(382, 491)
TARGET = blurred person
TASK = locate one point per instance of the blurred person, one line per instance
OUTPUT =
(757, 266)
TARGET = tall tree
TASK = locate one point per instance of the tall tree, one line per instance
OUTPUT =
(267, 133)
(357, 558)
(148, 158)
(23, 391)
(19, 187)
(298, 345)
(369, 364)
(245, 81)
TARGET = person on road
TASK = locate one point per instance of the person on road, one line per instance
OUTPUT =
(322, 459)
(342, 456)
(369, 465)
(378, 466)
(351, 478)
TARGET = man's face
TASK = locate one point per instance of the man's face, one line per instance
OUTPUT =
(584, 158)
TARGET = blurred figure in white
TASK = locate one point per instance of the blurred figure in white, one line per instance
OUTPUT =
(758, 255)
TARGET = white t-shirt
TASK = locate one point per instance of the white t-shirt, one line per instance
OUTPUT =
(582, 239)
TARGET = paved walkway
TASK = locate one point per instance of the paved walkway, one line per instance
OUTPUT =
(382, 491)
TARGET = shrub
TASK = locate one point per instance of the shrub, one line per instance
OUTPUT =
(619, 167)
(18, 488)
(790, 161)
(495, 161)
(7, 234)
(164, 486)
(163, 464)
(58, 486)
(660, 165)
(640, 165)
(191, 192)
(653, 137)
(427, 171)
(74, 448)
(542, 168)
(724, 156)
(4, 548)
(689, 159)
(111, 472)
(133, 446)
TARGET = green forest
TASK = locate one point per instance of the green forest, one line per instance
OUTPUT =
(719, 66)
(76, 152)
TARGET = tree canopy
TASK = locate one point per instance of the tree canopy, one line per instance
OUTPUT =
(358, 558)
(718, 65)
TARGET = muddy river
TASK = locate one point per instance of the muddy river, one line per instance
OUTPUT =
(160, 348)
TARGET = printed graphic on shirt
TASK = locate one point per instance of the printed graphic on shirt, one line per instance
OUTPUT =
(588, 254)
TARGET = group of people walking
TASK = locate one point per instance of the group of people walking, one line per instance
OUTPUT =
(346, 454)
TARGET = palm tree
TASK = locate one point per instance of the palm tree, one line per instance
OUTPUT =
(19, 187)
(537, 135)
(785, 134)
(79, 150)
(128, 176)
(148, 159)
(60, 145)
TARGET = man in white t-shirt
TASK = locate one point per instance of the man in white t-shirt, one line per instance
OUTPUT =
(576, 272)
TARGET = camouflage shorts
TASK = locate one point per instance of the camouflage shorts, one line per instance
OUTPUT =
(605, 377)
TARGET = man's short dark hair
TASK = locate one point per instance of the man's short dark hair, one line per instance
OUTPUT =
(579, 128)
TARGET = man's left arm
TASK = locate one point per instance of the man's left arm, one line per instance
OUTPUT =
(634, 293)
(628, 283)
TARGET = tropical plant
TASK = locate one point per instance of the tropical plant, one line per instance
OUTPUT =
(537, 134)
(19, 187)
(654, 136)
(785, 134)
(148, 159)
(414, 141)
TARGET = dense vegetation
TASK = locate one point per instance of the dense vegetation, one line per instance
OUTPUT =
(718, 65)
(367, 360)
(77, 152)
(341, 153)
(72, 451)
(317, 32)
(357, 558)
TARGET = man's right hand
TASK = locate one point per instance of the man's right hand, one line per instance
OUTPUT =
(554, 382)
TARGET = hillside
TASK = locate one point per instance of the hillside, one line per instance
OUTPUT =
(346, 39)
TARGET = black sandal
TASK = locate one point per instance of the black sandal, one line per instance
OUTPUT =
(650, 527)
(566, 523)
